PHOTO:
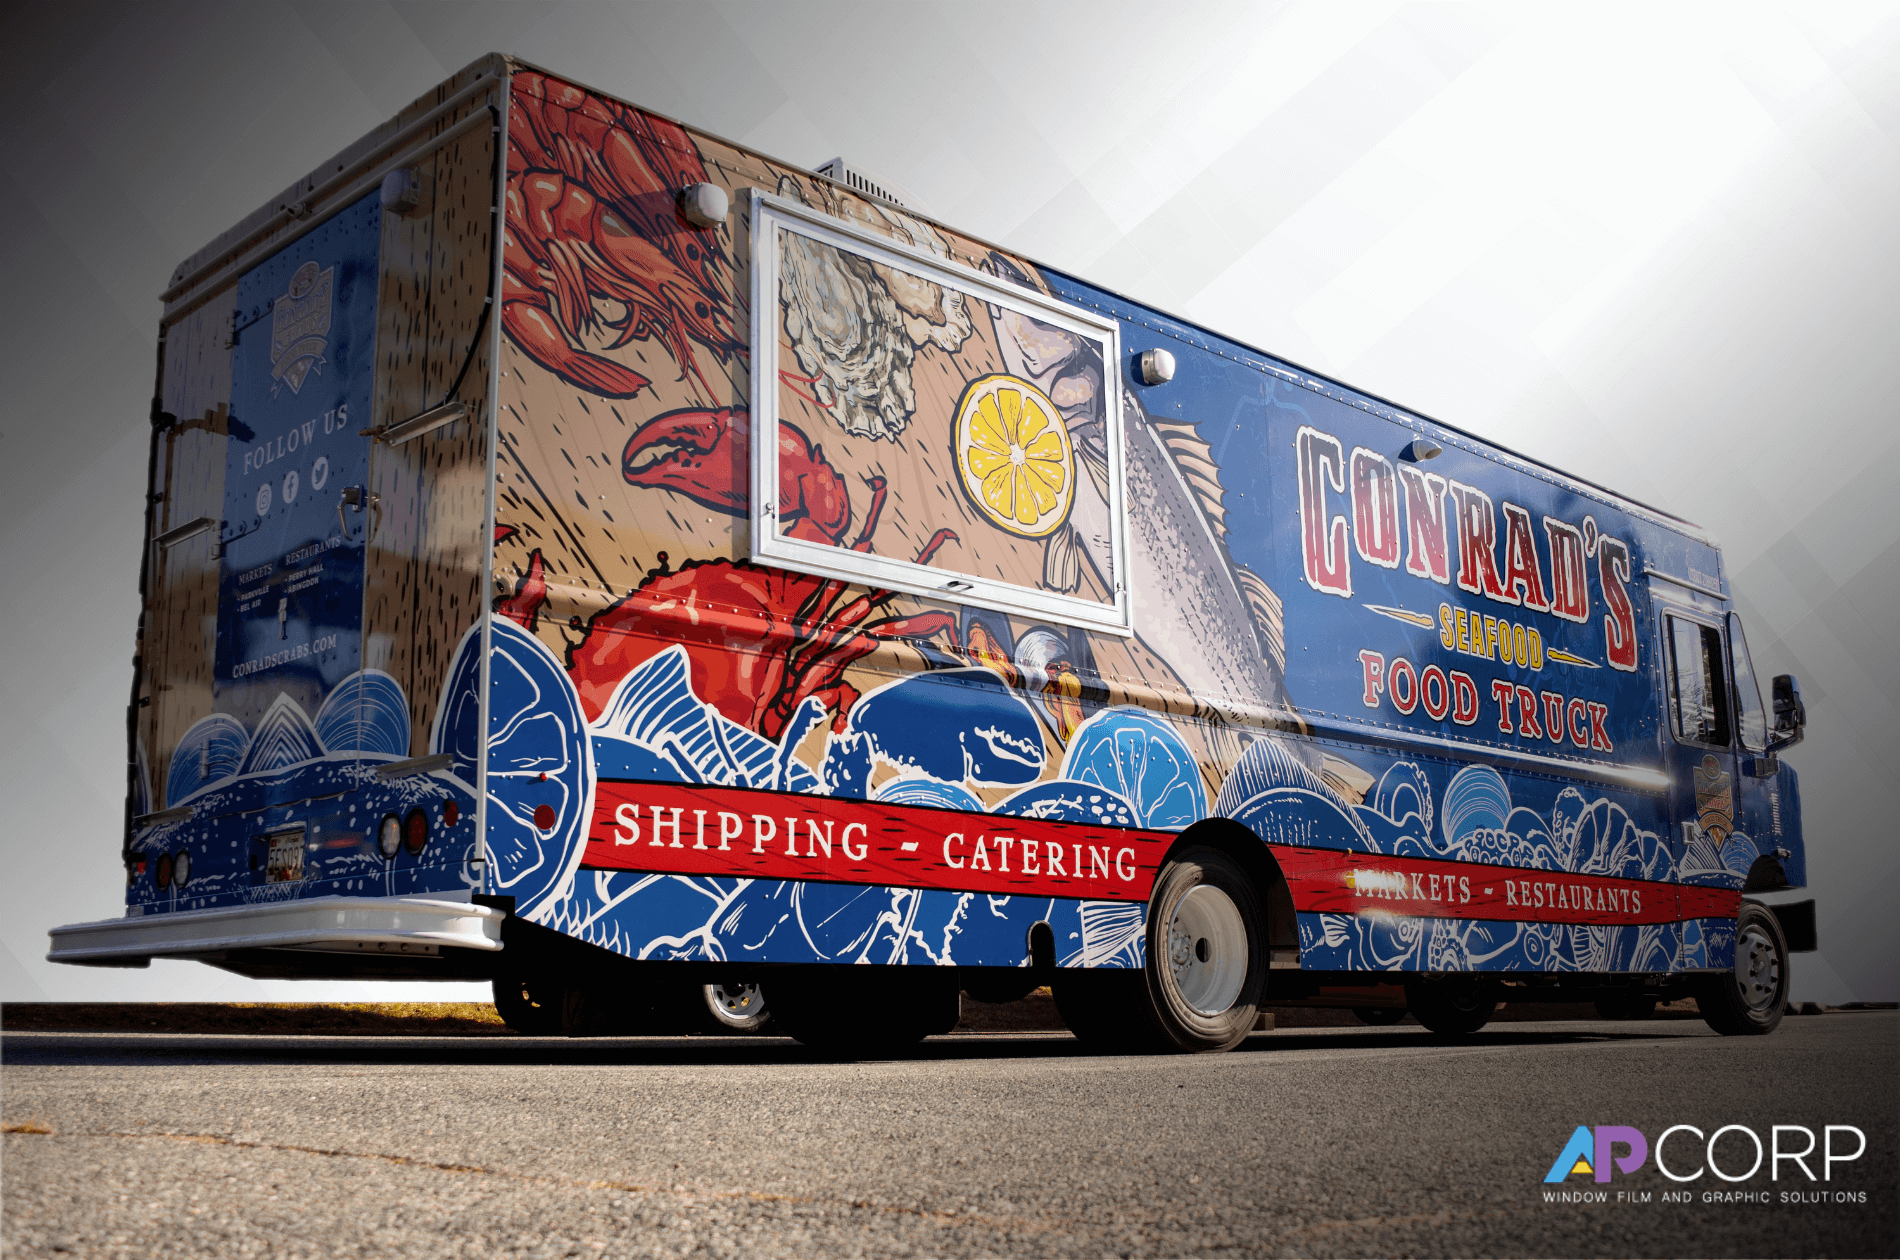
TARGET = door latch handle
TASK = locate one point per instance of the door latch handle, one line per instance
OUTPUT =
(354, 497)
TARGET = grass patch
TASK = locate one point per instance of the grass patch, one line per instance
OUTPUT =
(278, 1019)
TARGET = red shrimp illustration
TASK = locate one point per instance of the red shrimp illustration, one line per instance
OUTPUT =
(592, 221)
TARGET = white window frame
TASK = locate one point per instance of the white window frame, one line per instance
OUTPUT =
(769, 214)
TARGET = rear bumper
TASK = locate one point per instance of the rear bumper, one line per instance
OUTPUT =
(371, 927)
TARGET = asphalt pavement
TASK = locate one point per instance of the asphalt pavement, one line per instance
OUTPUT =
(1321, 1141)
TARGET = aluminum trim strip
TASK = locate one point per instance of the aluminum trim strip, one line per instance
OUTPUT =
(185, 284)
(1684, 583)
(217, 284)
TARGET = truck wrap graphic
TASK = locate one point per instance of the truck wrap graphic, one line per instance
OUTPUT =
(1290, 567)
(820, 585)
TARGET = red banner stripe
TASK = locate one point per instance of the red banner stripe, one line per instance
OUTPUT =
(748, 834)
(1335, 881)
(739, 832)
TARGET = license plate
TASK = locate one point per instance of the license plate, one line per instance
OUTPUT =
(286, 857)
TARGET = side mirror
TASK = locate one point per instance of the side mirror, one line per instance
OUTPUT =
(1791, 716)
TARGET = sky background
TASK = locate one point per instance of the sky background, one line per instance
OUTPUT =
(1656, 245)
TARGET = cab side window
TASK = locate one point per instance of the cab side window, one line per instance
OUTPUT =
(1751, 719)
(1698, 683)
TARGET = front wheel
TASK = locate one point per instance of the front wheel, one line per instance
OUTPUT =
(1752, 997)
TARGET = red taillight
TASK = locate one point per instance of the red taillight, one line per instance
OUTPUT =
(163, 873)
(544, 817)
(415, 831)
(451, 813)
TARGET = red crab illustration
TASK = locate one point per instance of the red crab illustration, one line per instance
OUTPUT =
(592, 221)
(760, 640)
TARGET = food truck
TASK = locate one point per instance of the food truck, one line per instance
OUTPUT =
(591, 556)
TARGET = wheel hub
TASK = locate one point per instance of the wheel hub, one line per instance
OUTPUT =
(1207, 950)
(738, 1001)
(1757, 969)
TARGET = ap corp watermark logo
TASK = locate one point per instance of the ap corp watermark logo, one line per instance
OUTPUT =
(1733, 1153)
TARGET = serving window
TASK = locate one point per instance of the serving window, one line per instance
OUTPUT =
(920, 426)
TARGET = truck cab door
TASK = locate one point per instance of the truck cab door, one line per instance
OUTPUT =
(1758, 802)
(1702, 764)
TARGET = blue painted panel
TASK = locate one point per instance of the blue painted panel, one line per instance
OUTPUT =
(290, 593)
(241, 784)
(1251, 411)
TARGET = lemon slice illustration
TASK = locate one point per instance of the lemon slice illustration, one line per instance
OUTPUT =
(1014, 453)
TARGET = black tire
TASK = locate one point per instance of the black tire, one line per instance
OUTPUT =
(733, 1008)
(530, 1008)
(1749, 999)
(1099, 1006)
(1451, 1008)
(1379, 1016)
(1626, 1006)
(1207, 958)
(1200, 989)
(865, 1010)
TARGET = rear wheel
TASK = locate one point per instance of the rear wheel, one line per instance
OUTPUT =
(1626, 1006)
(734, 1008)
(1206, 953)
(1100, 1007)
(1379, 1016)
(866, 1010)
(1206, 968)
(1752, 997)
(1451, 1008)
(529, 1007)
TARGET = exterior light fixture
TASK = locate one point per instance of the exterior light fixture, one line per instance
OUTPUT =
(415, 832)
(1156, 367)
(402, 192)
(1419, 449)
(704, 205)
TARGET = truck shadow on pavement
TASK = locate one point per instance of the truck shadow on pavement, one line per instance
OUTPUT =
(22, 1049)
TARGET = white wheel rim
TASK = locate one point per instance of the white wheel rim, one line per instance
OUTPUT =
(736, 1002)
(1757, 969)
(1207, 950)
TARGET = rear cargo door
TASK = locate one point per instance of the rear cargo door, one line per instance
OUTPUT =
(298, 509)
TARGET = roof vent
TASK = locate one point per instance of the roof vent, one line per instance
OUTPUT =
(857, 181)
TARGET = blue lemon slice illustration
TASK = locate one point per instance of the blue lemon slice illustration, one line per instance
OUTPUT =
(540, 770)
